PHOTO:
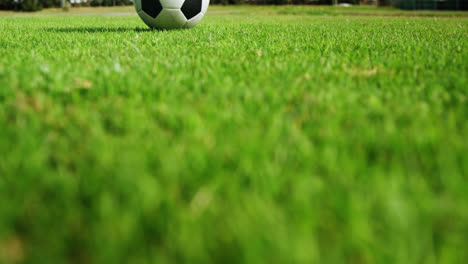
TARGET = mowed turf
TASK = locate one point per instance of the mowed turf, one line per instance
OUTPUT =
(256, 137)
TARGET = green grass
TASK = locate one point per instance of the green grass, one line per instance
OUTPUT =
(255, 137)
(363, 11)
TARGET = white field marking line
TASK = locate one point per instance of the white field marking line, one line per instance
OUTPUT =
(135, 47)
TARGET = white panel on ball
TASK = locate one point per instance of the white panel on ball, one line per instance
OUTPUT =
(170, 19)
(205, 4)
(194, 21)
(147, 19)
(172, 4)
(137, 5)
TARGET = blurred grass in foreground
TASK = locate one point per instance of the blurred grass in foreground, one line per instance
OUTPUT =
(253, 138)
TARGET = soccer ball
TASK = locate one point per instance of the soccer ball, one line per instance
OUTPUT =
(171, 14)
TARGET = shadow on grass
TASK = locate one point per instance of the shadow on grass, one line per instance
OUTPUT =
(96, 29)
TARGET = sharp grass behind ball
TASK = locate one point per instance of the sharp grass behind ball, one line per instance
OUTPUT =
(171, 14)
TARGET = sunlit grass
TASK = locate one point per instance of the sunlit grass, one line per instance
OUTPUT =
(252, 138)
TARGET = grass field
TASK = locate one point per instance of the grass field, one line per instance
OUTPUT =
(264, 135)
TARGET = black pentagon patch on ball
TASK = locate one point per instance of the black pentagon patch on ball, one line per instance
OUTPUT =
(151, 7)
(191, 8)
